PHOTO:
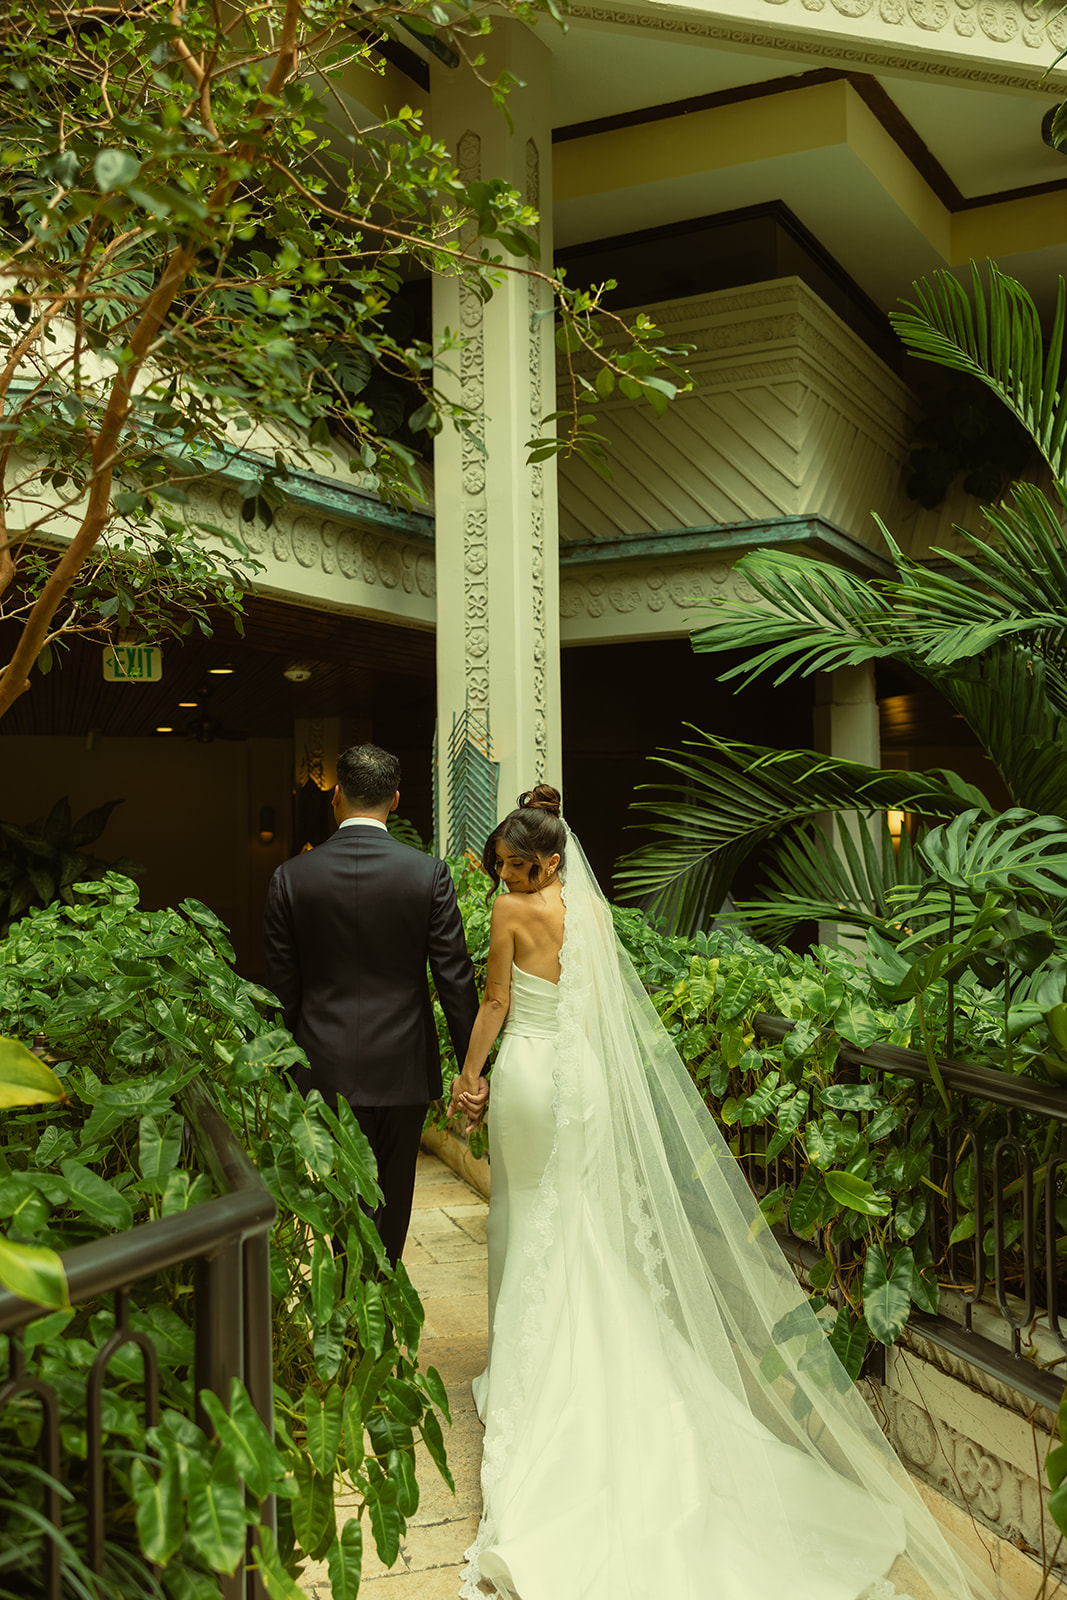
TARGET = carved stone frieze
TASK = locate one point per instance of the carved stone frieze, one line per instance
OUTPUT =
(958, 26)
(663, 593)
(535, 298)
(473, 461)
(973, 1472)
(323, 544)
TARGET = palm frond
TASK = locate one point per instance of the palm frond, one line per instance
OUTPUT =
(809, 879)
(733, 796)
(818, 617)
(999, 341)
(1004, 697)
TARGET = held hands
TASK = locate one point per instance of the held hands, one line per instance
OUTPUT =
(469, 1100)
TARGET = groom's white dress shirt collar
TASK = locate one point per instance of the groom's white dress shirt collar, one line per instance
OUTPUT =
(363, 822)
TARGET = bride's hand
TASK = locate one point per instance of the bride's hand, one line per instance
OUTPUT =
(469, 1100)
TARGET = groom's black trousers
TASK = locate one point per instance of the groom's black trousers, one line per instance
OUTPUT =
(393, 1133)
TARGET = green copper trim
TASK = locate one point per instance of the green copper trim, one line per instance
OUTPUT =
(822, 536)
(331, 497)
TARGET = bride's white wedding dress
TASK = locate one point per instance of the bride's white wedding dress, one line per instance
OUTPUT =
(664, 1419)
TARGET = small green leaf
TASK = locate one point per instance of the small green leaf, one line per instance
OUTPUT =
(114, 169)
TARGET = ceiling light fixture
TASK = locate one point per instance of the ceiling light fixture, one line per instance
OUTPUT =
(221, 672)
(188, 705)
(297, 672)
(164, 730)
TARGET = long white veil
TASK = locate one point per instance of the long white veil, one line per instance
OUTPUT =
(640, 1190)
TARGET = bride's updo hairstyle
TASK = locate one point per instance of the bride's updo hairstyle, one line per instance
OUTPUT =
(533, 830)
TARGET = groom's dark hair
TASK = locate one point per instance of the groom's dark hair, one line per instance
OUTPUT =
(368, 775)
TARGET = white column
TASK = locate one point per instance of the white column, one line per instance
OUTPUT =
(846, 714)
(847, 726)
(496, 520)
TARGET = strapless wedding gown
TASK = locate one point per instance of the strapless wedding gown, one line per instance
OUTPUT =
(617, 1466)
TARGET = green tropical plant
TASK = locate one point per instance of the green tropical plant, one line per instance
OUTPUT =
(134, 1007)
(46, 860)
(988, 633)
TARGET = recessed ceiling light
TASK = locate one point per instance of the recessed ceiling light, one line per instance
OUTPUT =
(164, 730)
(220, 672)
(188, 705)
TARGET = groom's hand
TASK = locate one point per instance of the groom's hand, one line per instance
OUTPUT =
(469, 1102)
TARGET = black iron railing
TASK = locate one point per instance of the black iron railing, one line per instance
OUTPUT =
(1028, 1278)
(227, 1239)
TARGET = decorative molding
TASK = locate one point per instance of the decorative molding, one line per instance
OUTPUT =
(332, 548)
(950, 24)
(473, 463)
(973, 1472)
(655, 598)
(535, 299)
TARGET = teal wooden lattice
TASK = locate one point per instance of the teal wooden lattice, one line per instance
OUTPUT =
(472, 783)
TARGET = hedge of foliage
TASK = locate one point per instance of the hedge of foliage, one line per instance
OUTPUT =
(130, 1007)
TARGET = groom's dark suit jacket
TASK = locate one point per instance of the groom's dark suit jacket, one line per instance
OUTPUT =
(350, 927)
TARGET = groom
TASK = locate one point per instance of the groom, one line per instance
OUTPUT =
(350, 927)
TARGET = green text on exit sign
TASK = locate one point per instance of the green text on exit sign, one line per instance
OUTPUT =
(133, 663)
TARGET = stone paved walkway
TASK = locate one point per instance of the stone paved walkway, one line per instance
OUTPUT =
(445, 1256)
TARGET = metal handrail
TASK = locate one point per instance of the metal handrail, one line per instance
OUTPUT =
(227, 1239)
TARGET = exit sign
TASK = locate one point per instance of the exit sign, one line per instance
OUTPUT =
(133, 663)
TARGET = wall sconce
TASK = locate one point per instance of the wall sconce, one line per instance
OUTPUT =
(897, 822)
(266, 824)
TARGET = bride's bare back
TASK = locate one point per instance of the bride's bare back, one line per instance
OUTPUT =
(535, 921)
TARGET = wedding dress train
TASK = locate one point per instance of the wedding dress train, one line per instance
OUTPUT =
(664, 1418)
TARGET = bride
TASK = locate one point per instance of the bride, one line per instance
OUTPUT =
(664, 1418)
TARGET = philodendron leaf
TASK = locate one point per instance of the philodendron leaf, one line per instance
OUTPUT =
(216, 1511)
(309, 1134)
(34, 1273)
(242, 1431)
(159, 1147)
(24, 1078)
(323, 1281)
(857, 1194)
(160, 1518)
(91, 1193)
(345, 1561)
(849, 1340)
(271, 1568)
(323, 1422)
(887, 1292)
(384, 1518)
